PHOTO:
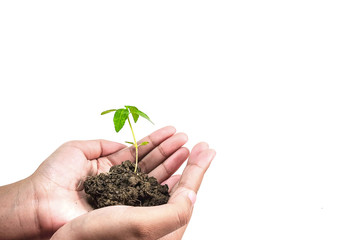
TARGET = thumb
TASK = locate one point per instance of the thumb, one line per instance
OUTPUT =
(181, 203)
(156, 222)
(123, 222)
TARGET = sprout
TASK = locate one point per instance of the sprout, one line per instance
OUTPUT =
(121, 116)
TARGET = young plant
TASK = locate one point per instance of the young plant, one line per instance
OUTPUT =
(121, 116)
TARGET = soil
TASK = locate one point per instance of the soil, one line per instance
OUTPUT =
(121, 186)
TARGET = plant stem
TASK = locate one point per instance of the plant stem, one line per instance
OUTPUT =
(136, 147)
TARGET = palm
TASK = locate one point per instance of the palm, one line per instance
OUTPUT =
(59, 179)
(64, 198)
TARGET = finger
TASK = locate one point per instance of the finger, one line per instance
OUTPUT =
(171, 182)
(162, 152)
(170, 165)
(93, 149)
(168, 217)
(154, 140)
(198, 163)
(198, 149)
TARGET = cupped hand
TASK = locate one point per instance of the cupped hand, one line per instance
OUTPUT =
(58, 182)
(164, 222)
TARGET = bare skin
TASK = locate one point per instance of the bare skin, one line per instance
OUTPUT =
(51, 203)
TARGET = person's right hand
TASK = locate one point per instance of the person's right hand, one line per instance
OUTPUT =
(159, 222)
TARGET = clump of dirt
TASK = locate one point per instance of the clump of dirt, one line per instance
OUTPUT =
(121, 186)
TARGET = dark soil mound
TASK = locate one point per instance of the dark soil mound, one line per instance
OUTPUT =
(121, 186)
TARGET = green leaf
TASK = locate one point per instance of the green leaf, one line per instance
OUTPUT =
(142, 114)
(143, 143)
(133, 111)
(107, 111)
(121, 115)
(129, 142)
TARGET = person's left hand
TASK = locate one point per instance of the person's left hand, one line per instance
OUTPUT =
(58, 182)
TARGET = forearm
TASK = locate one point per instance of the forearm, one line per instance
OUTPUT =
(18, 211)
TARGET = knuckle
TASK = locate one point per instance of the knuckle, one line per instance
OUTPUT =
(143, 166)
(140, 231)
(182, 217)
(162, 151)
(132, 152)
(167, 171)
(71, 143)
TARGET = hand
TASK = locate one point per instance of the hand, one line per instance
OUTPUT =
(52, 199)
(59, 180)
(160, 222)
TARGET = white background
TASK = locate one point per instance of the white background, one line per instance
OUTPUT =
(260, 81)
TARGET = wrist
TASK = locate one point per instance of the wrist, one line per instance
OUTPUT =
(18, 215)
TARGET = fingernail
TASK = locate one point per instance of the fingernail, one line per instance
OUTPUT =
(192, 196)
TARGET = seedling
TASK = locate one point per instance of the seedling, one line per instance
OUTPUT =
(125, 184)
(121, 116)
